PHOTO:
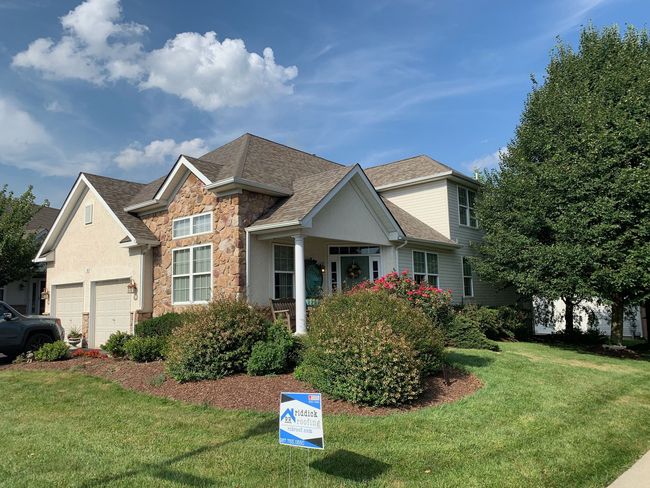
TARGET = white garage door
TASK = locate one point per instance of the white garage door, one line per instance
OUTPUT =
(112, 310)
(69, 304)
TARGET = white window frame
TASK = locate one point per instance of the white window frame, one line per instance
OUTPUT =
(470, 276)
(191, 219)
(273, 271)
(427, 272)
(192, 274)
(467, 209)
(88, 214)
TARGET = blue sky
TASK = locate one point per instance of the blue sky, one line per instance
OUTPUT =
(120, 88)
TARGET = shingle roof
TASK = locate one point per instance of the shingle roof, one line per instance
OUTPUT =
(148, 191)
(308, 191)
(43, 219)
(414, 227)
(404, 170)
(117, 194)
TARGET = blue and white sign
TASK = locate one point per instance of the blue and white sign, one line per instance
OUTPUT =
(301, 420)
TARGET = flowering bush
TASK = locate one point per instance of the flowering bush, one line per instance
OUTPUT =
(434, 302)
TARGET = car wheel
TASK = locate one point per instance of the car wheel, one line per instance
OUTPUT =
(36, 341)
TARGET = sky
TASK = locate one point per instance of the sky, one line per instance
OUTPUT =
(121, 88)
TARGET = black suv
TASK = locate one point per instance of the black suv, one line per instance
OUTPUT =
(20, 333)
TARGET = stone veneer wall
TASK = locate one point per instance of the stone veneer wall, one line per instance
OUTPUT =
(231, 214)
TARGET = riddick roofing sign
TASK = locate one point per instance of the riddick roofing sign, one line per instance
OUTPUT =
(301, 420)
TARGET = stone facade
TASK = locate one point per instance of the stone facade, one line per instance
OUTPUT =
(85, 321)
(231, 215)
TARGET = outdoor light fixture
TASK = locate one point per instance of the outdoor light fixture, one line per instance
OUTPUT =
(131, 288)
(45, 295)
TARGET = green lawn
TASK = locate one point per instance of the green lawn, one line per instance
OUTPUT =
(546, 417)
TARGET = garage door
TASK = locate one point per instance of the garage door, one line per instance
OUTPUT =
(69, 304)
(112, 310)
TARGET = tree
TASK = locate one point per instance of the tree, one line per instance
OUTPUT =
(567, 214)
(18, 246)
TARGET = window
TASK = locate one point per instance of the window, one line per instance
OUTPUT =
(192, 274)
(425, 267)
(88, 214)
(193, 225)
(467, 207)
(283, 269)
(468, 281)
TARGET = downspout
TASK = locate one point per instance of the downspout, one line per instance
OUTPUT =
(406, 241)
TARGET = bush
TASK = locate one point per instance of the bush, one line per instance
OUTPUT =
(145, 349)
(497, 323)
(464, 332)
(370, 347)
(274, 355)
(160, 326)
(215, 341)
(115, 344)
(54, 351)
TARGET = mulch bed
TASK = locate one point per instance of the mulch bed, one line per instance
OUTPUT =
(243, 392)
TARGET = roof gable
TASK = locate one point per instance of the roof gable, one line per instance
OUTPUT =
(405, 170)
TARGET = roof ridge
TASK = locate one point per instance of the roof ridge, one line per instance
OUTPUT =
(242, 157)
(411, 157)
(295, 149)
(116, 179)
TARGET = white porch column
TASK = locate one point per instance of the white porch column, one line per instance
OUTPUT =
(299, 270)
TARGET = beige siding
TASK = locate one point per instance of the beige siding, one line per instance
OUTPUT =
(427, 201)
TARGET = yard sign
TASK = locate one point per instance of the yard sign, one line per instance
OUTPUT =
(301, 420)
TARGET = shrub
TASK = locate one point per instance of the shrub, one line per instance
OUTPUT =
(88, 353)
(145, 349)
(115, 344)
(274, 355)
(160, 326)
(370, 347)
(464, 332)
(497, 323)
(215, 341)
(54, 351)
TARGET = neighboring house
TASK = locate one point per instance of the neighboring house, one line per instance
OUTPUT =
(258, 220)
(25, 295)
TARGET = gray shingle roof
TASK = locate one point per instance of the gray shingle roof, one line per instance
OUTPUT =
(414, 227)
(148, 191)
(404, 170)
(117, 194)
(43, 219)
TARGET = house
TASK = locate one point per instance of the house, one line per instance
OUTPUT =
(258, 220)
(25, 295)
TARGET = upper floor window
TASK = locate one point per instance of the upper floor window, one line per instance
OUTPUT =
(468, 280)
(425, 267)
(193, 225)
(466, 207)
(88, 214)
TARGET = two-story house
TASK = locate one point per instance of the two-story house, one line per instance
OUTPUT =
(255, 219)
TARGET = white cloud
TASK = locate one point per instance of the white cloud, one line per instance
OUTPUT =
(159, 152)
(488, 161)
(96, 46)
(54, 106)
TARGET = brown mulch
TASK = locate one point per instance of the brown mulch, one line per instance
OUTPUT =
(243, 392)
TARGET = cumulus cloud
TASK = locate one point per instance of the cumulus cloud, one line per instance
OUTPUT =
(159, 151)
(488, 161)
(98, 46)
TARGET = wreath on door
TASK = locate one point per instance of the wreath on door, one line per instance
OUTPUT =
(353, 271)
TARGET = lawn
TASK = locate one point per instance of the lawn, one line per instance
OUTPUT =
(546, 417)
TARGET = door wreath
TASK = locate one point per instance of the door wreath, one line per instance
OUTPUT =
(353, 271)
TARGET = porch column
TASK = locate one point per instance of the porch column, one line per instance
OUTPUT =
(299, 270)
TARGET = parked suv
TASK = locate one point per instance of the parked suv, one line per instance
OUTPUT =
(20, 333)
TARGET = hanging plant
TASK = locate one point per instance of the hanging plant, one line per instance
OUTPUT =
(353, 271)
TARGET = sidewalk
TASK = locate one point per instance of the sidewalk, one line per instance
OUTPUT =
(638, 476)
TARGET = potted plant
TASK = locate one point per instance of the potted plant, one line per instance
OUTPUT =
(74, 337)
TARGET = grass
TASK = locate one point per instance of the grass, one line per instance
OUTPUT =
(546, 417)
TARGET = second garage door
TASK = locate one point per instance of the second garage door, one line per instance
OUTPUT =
(112, 310)
(69, 305)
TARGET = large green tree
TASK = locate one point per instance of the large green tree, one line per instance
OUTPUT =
(18, 246)
(568, 212)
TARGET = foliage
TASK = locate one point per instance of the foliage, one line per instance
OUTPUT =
(497, 323)
(53, 351)
(434, 302)
(145, 349)
(88, 353)
(161, 326)
(567, 214)
(272, 356)
(115, 344)
(370, 347)
(464, 332)
(216, 341)
(17, 245)
(74, 334)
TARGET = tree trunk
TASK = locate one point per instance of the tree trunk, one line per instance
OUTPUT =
(618, 310)
(568, 316)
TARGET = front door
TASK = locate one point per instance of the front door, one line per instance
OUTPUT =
(354, 270)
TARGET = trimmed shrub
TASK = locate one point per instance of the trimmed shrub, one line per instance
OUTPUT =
(145, 349)
(160, 326)
(54, 351)
(115, 344)
(465, 333)
(274, 355)
(215, 341)
(370, 347)
(497, 323)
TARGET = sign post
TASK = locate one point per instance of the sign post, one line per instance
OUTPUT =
(301, 420)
